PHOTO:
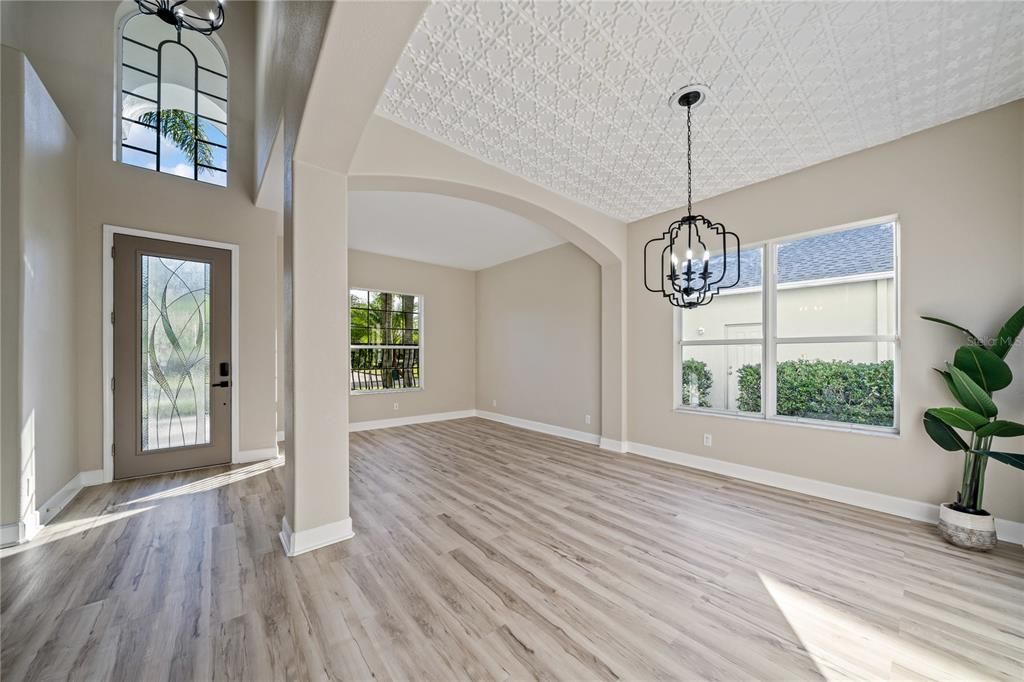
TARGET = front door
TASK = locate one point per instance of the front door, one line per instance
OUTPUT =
(172, 353)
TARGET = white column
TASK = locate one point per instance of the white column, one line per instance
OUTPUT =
(316, 351)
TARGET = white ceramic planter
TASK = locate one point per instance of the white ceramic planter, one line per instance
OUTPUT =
(970, 531)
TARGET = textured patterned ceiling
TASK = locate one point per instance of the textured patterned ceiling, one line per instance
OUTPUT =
(573, 95)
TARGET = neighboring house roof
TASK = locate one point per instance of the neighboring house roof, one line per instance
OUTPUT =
(833, 255)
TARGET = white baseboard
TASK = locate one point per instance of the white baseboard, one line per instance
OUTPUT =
(59, 500)
(94, 477)
(10, 534)
(258, 455)
(541, 427)
(302, 541)
(613, 445)
(56, 504)
(405, 421)
(280, 436)
(28, 527)
(1010, 531)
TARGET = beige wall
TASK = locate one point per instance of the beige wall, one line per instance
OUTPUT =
(957, 191)
(539, 339)
(10, 284)
(73, 45)
(449, 335)
(39, 239)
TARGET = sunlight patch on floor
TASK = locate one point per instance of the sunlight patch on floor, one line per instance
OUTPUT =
(843, 645)
(62, 528)
(59, 530)
(840, 644)
(205, 484)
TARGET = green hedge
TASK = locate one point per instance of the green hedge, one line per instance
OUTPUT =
(836, 390)
(696, 374)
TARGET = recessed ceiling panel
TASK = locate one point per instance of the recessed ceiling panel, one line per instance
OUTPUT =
(442, 230)
(574, 95)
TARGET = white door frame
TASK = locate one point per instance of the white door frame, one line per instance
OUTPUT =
(108, 334)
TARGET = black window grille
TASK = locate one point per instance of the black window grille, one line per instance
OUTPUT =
(385, 341)
(173, 109)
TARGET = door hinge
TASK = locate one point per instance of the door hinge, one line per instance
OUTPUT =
(111, 384)
(113, 449)
(113, 251)
(111, 317)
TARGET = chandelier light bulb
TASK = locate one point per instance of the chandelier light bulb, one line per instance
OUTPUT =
(689, 254)
(707, 255)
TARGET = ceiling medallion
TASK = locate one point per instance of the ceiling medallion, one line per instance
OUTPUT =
(684, 281)
(174, 13)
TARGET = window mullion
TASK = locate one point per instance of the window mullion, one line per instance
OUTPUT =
(853, 338)
(745, 341)
(769, 287)
(677, 358)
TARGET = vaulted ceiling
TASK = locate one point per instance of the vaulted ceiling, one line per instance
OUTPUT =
(574, 95)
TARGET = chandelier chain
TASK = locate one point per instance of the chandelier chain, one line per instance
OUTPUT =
(689, 162)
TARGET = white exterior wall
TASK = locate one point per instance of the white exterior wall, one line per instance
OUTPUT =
(846, 308)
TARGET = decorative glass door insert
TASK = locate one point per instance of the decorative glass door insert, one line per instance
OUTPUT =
(175, 377)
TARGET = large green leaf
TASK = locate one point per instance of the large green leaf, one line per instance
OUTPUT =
(948, 379)
(1008, 334)
(971, 336)
(971, 395)
(1012, 458)
(943, 434)
(983, 366)
(959, 418)
(1001, 428)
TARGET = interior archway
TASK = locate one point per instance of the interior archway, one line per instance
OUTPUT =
(612, 277)
(537, 214)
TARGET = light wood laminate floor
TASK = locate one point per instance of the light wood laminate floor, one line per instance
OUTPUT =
(487, 552)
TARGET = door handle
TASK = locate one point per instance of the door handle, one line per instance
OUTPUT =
(222, 384)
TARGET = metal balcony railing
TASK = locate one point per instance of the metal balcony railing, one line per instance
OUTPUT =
(385, 368)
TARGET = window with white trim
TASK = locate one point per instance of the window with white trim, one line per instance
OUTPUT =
(386, 341)
(810, 334)
(172, 108)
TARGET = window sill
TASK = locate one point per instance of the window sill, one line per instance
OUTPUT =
(383, 391)
(792, 421)
(192, 181)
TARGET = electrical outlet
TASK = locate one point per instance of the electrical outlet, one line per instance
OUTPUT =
(587, 419)
(494, 403)
(396, 406)
(707, 439)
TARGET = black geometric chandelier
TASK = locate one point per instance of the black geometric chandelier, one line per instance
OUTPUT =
(175, 14)
(697, 258)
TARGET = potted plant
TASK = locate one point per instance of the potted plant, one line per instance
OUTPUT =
(977, 371)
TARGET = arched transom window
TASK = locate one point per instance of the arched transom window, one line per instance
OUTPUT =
(174, 101)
